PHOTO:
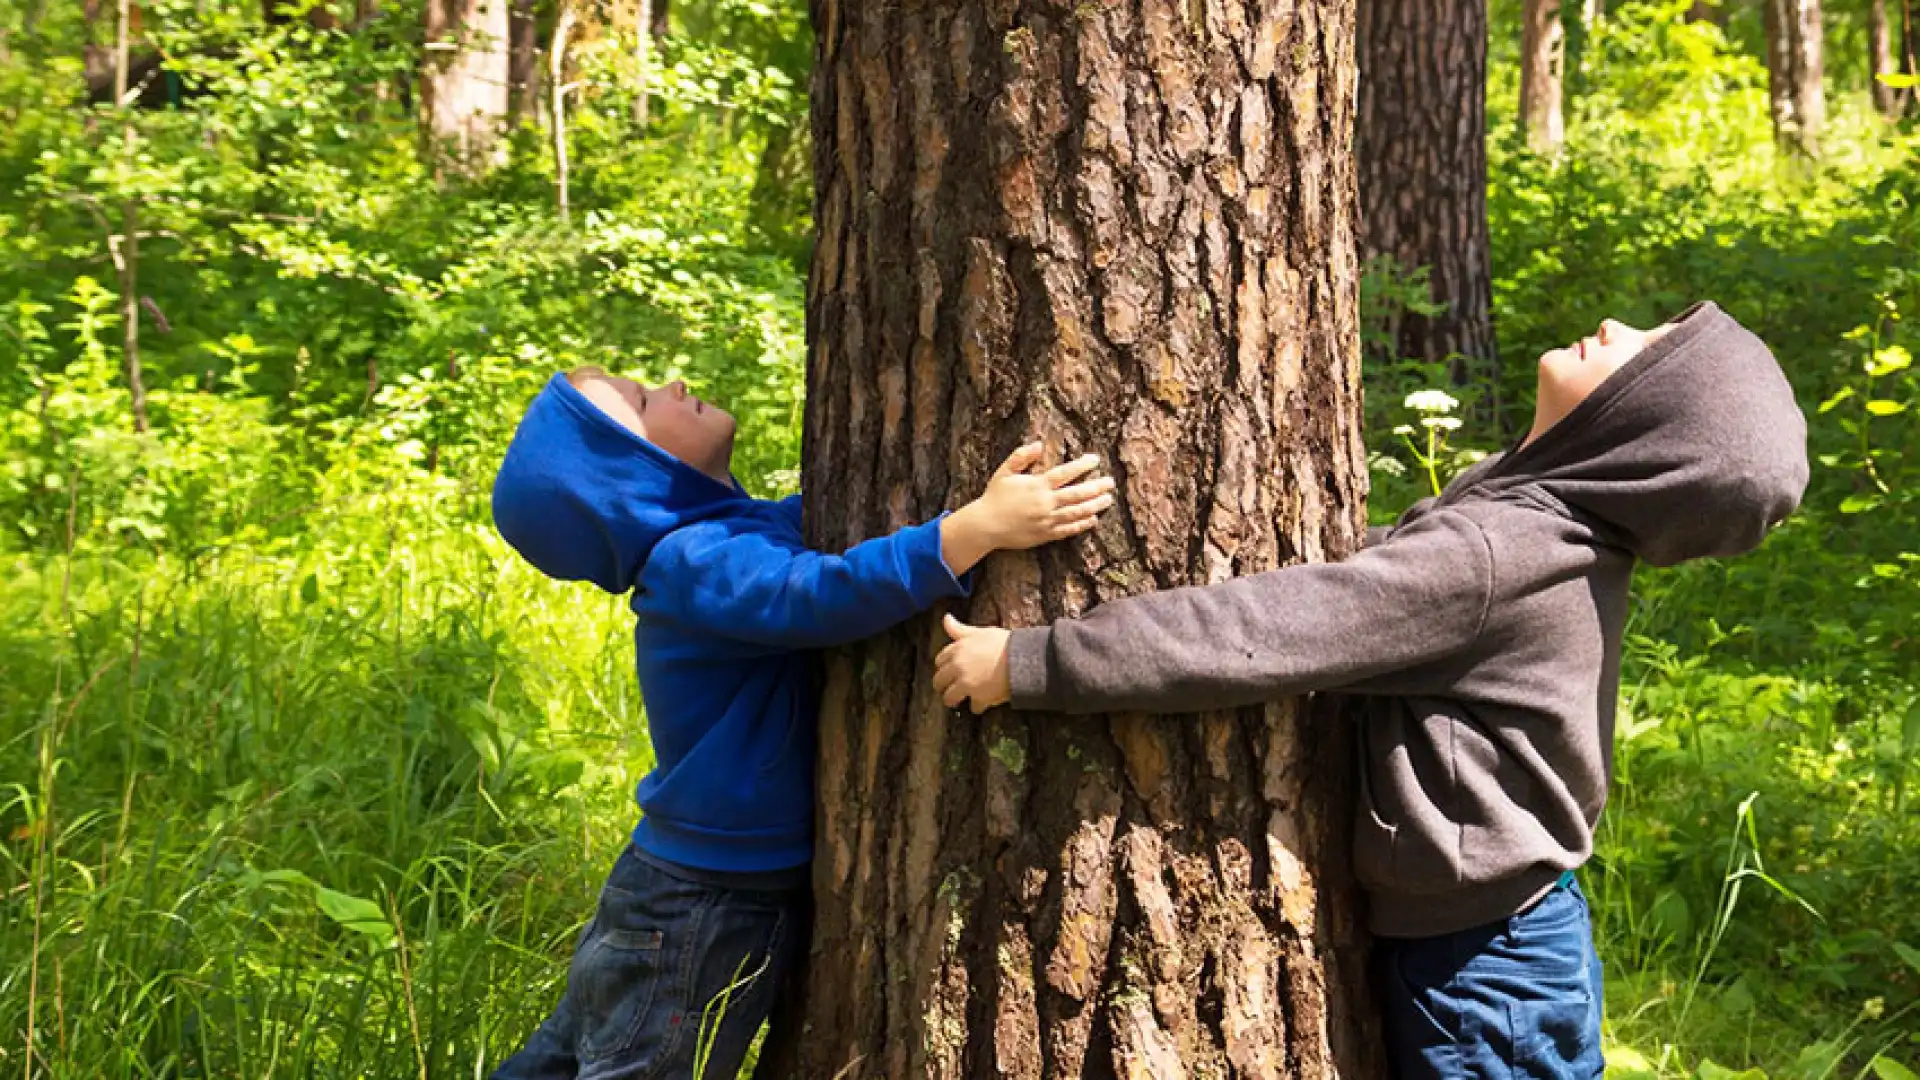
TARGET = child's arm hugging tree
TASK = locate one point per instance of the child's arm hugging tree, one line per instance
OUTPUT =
(1395, 606)
(750, 586)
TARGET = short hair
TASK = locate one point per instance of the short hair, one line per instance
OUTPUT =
(582, 374)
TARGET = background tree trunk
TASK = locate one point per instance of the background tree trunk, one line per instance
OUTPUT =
(523, 63)
(1880, 56)
(1794, 67)
(463, 86)
(1126, 229)
(129, 254)
(96, 57)
(1421, 147)
(557, 75)
(1542, 64)
(642, 60)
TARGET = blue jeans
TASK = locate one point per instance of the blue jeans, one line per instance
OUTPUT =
(1517, 998)
(644, 994)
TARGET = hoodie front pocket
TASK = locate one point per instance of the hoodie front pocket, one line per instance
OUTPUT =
(1374, 844)
(1375, 839)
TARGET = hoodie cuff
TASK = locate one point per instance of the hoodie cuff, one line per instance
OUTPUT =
(929, 576)
(1027, 668)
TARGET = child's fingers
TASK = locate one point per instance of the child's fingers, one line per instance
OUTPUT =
(1082, 492)
(1067, 472)
(954, 695)
(1021, 459)
(945, 676)
(955, 629)
(1081, 514)
(1074, 528)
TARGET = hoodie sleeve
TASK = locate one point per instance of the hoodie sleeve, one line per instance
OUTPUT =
(749, 587)
(1417, 598)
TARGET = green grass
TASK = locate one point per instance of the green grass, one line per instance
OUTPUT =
(331, 814)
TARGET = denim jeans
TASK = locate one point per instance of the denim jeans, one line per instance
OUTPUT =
(644, 993)
(1517, 998)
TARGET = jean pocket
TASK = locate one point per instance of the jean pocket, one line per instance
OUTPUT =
(1556, 1039)
(614, 982)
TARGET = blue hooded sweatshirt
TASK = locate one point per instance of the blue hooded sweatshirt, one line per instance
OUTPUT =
(731, 606)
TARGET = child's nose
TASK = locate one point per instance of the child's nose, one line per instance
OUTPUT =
(679, 389)
(1609, 329)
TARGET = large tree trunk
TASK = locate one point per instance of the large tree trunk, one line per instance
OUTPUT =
(1543, 55)
(1794, 67)
(1421, 146)
(1125, 230)
(465, 80)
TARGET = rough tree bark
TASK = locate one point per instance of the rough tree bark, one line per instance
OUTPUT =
(464, 84)
(1421, 147)
(1543, 56)
(1126, 228)
(1794, 69)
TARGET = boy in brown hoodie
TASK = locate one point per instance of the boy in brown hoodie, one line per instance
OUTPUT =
(1479, 637)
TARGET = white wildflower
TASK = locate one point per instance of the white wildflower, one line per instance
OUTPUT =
(1386, 463)
(1444, 423)
(1431, 401)
(1403, 429)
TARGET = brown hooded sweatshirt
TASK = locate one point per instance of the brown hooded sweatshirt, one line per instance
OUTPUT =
(1480, 635)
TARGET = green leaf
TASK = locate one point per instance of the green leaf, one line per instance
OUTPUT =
(1713, 1070)
(310, 589)
(1843, 394)
(1898, 80)
(1737, 998)
(1856, 504)
(1883, 407)
(356, 914)
(1907, 952)
(1671, 916)
(1625, 1061)
(1817, 1060)
(1888, 1069)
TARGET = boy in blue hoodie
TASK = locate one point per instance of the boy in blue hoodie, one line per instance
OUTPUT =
(628, 487)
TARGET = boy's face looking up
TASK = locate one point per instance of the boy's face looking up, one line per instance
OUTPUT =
(1569, 374)
(666, 416)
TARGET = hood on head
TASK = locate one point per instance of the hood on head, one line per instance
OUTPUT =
(1694, 448)
(582, 498)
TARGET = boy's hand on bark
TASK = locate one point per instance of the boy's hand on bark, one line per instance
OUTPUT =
(974, 666)
(1022, 509)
